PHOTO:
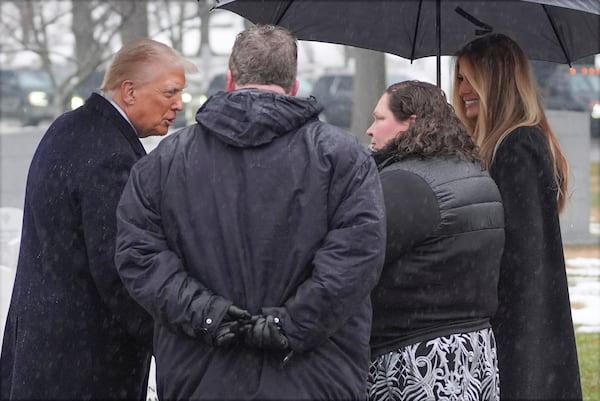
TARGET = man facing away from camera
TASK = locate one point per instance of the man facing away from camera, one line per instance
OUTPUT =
(254, 239)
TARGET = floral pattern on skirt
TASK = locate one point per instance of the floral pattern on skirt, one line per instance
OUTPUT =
(458, 367)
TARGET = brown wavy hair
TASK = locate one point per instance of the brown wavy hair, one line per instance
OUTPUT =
(508, 99)
(436, 131)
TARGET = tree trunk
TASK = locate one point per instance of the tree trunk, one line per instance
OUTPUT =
(26, 13)
(204, 15)
(369, 84)
(134, 14)
(85, 44)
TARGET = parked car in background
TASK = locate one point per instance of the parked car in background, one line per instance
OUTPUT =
(574, 89)
(85, 88)
(26, 95)
(306, 87)
(334, 92)
(219, 82)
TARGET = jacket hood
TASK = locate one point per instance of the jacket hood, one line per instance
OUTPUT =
(252, 117)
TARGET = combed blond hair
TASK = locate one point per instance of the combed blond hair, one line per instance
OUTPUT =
(508, 98)
(137, 60)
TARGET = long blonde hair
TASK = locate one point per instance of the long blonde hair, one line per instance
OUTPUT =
(508, 99)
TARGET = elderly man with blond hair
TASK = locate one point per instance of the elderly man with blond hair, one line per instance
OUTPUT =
(73, 331)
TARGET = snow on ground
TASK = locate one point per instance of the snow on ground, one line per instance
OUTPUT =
(584, 290)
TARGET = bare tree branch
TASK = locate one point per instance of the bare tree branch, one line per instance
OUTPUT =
(71, 39)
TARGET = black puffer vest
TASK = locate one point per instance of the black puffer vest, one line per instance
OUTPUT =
(445, 283)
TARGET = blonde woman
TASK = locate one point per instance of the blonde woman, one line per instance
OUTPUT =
(495, 95)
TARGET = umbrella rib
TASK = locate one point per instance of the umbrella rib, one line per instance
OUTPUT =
(485, 28)
(289, 3)
(560, 42)
(414, 41)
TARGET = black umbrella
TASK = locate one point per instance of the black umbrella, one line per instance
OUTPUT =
(552, 30)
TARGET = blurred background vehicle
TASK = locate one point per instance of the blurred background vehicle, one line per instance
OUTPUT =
(573, 89)
(219, 82)
(26, 95)
(195, 94)
(195, 97)
(334, 92)
(85, 89)
(306, 87)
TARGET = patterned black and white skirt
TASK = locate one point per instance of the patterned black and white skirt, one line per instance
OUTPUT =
(458, 367)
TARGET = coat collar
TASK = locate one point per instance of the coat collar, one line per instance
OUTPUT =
(98, 104)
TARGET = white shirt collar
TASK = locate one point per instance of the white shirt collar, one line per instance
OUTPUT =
(120, 110)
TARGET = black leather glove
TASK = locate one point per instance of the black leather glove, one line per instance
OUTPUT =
(265, 332)
(237, 313)
(231, 328)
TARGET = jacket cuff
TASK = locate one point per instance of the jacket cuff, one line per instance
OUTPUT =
(212, 315)
(290, 329)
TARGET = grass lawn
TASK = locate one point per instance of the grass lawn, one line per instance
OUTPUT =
(588, 344)
(588, 348)
(595, 190)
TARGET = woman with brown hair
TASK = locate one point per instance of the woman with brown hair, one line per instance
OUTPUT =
(431, 337)
(496, 96)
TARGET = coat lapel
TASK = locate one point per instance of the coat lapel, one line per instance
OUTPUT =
(102, 106)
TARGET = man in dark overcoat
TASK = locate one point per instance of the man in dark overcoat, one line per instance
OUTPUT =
(264, 207)
(73, 332)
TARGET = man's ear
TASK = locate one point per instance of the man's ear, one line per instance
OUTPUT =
(411, 119)
(294, 90)
(127, 92)
(230, 86)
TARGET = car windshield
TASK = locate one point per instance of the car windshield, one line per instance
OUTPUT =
(305, 88)
(34, 79)
(582, 84)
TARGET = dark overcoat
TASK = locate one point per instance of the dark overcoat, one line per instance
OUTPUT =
(262, 205)
(73, 332)
(537, 354)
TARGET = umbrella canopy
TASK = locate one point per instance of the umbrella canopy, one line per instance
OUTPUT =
(552, 30)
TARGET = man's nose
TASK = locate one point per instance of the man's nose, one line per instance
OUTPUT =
(178, 104)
